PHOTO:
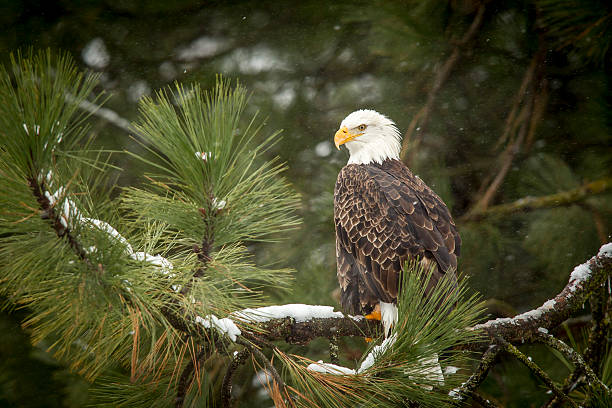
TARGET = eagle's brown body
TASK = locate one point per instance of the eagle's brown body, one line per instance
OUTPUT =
(385, 216)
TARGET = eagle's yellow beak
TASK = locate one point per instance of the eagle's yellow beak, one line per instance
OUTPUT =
(343, 135)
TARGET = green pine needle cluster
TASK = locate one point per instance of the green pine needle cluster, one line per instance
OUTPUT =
(88, 268)
(429, 325)
(581, 26)
(213, 190)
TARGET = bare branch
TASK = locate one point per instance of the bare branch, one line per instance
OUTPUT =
(293, 332)
(524, 124)
(226, 389)
(422, 117)
(583, 281)
(574, 357)
(487, 361)
(535, 369)
(533, 203)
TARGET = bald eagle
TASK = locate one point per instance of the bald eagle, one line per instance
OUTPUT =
(384, 217)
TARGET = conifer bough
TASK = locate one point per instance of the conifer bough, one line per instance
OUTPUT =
(140, 294)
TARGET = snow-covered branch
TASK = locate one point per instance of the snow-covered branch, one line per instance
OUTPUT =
(583, 280)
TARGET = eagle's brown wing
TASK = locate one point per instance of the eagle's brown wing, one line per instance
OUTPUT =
(385, 216)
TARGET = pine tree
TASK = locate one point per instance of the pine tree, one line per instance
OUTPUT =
(151, 294)
(112, 283)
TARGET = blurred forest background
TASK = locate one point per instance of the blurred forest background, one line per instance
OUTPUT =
(499, 100)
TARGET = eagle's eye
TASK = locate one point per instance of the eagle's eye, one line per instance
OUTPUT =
(361, 127)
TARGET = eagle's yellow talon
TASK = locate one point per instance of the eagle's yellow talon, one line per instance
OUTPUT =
(375, 315)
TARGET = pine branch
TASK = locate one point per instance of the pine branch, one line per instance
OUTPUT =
(526, 204)
(524, 327)
(61, 229)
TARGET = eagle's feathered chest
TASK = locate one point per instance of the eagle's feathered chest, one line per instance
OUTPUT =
(385, 216)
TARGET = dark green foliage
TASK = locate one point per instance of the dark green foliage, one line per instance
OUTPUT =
(582, 26)
(324, 60)
(98, 298)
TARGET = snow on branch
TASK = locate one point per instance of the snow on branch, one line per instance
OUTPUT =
(583, 280)
(224, 326)
(300, 323)
(66, 215)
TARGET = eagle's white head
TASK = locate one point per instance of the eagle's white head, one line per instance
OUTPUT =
(369, 137)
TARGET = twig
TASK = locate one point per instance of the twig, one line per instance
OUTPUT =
(574, 357)
(524, 123)
(422, 117)
(535, 369)
(482, 401)
(226, 388)
(186, 376)
(518, 98)
(259, 356)
(203, 255)
(533, 203)
(48, 211)
(333, 350)
(486, 362)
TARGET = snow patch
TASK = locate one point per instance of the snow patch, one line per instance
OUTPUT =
(297, 311)
(376, 352)
(451, 370)
(430, 370)
(455, 393)
(157, 260)
(95, 54)
(327, 368)
(543, 330)
(218, 204)
(605, 250)
(204, 155)
(106, 227)
(532, 314)
(224, 326)
(580, 272)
